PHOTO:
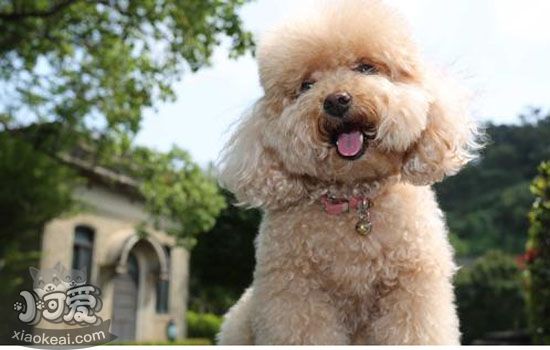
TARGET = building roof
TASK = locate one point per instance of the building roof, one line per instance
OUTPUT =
(80, 157)
(104, 176)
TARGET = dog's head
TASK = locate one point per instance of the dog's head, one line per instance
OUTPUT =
(347, 100)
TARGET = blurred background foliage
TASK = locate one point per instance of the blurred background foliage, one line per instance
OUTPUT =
(223, 260)
(489, 296)
(488, 201)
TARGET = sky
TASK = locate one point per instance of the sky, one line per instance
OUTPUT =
(499, 49)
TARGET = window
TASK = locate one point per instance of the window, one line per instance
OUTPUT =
(163, 287)
(83, 248)
(133, 268)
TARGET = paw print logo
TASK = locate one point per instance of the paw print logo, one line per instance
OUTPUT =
(17, 306)
(40, 305)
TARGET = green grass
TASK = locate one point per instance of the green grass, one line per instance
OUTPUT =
(190, 341)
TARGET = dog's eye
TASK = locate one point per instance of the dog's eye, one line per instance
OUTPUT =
(306, 85)
(365, 68)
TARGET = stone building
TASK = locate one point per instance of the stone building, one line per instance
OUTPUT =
(143, 277)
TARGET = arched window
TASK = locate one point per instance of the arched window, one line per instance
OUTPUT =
(83, 249)
(133, 268)
(163, 287)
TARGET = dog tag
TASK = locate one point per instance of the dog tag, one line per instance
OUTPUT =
(364, 226)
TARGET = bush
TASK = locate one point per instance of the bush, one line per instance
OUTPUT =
(489, 296)
(203, 325)
(537, 258)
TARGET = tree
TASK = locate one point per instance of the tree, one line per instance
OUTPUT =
(537, 257)
(34, 188)
(98, 64)
(174, 187)
(223, 261)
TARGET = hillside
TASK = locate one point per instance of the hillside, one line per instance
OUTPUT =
(487, 203)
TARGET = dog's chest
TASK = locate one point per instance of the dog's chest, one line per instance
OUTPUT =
(329, 248)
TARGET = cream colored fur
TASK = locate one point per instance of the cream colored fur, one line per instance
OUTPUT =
(316, 280)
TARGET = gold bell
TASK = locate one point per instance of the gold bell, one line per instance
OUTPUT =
(363, 227)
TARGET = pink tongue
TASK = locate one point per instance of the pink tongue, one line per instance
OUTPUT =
(349, 144)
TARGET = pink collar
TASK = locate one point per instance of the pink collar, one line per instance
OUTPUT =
(337, 206)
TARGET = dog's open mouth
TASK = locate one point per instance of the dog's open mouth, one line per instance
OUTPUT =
(351, 144)
(352, 139)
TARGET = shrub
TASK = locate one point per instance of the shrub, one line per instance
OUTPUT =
(537, 258)
(489, 296)
(203, 325)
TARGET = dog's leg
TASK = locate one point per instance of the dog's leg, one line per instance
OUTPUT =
(295, 313)
(420, 311)
(236, 329)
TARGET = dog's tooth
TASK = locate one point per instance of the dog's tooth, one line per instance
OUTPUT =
(370, 134)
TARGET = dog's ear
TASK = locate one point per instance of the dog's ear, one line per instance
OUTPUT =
(251, 171)
(450, 139)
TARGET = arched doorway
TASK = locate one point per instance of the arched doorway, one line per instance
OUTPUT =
(125, 301)
(141, 262)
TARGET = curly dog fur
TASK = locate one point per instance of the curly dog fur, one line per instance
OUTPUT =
(316, 280)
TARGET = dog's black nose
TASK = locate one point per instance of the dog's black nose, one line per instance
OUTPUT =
(337, 104)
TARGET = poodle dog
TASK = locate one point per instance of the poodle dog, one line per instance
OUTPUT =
(340, 153)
